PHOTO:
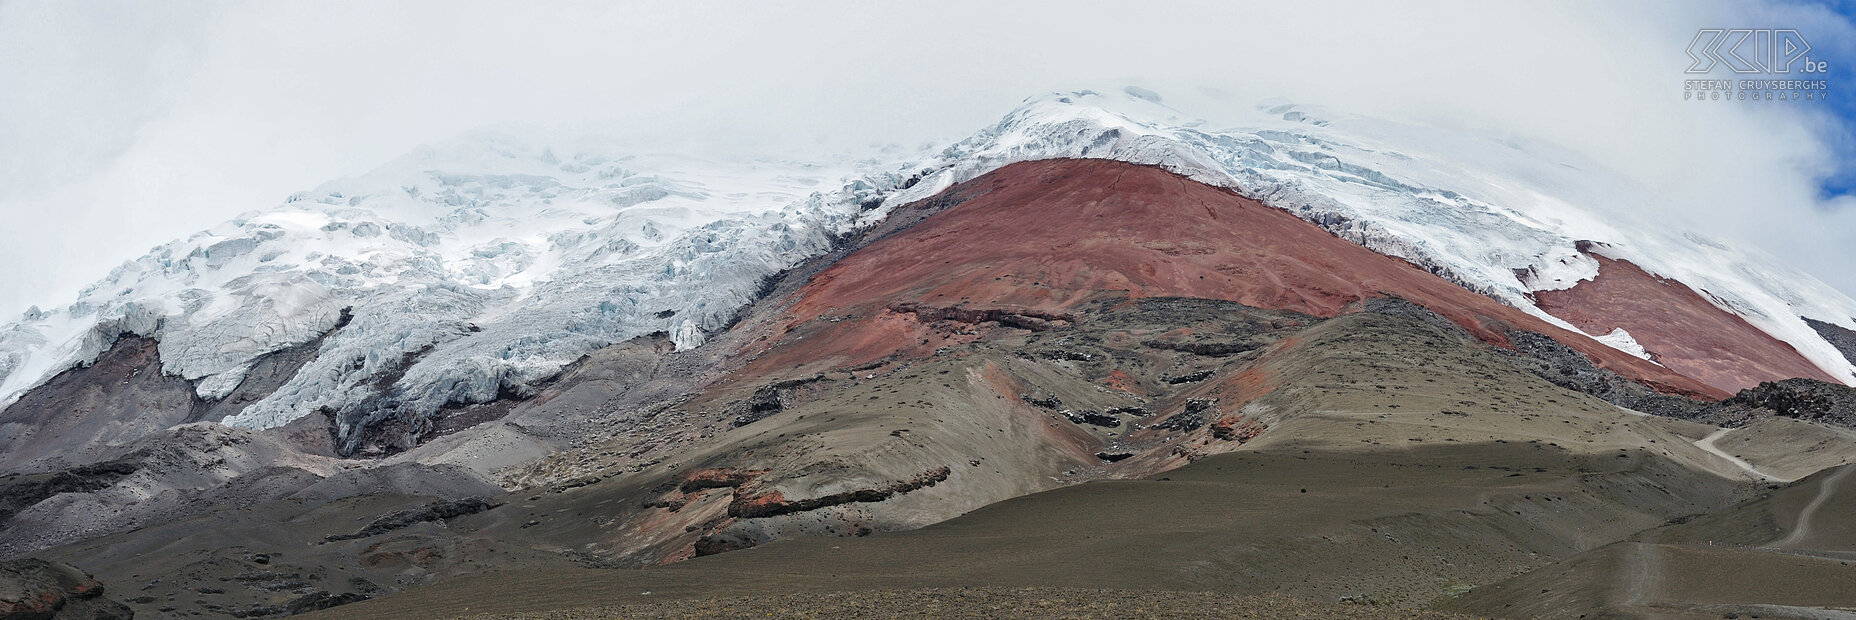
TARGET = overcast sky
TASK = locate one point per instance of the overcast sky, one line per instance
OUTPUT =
(124, 125)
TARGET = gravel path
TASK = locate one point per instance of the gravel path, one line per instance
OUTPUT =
(1802, 528)
(1707, 443)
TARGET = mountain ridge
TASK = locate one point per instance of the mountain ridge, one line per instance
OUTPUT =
(611, 247)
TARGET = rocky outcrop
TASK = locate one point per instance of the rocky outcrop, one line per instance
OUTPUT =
(1208, 349)
(76, 416)
(1570, 369)
(436, 511)
(34, 589)
(1237, 428)
(19, 492)
(127, 394)
(769, 400)
(1020, 318)
(752, 506)
(1191, 418)
(1092, 417)
(1803, 399)
(1191, 377)
(1557, 363)
(1840, 337)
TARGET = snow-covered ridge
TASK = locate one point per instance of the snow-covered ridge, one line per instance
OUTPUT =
(1499, 218)
(493, 261)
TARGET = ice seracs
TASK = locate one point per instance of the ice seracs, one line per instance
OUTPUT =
(469, 270)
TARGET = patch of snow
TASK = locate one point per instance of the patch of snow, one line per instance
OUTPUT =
(1559, 272)
(1622, 341)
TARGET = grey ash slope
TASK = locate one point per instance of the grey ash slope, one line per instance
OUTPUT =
(1402, 465)
(1413, 442)
(82, 414)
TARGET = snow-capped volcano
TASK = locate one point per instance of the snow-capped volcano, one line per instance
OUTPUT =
(483, 266)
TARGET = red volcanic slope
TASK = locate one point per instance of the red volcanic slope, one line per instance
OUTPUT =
(1048, 235)
(1682, 330)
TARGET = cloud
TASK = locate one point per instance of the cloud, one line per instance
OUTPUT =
(125, 125)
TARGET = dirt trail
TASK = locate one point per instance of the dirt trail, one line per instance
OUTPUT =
(1707, 443)
(1643, 559)
(1825, 490)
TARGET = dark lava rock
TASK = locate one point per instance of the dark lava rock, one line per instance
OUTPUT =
(1191, 419)
(1094, 418)
(1192, 377)
(722, 543)
(1114, 456)
(36, 589)
(431, 512)
(1047, 401)
(1557, 363)
(775, 504)
(1072, 355)
(1804, 399)
(1843, 339)
(575, 483)
(363, 586)
(20, 492)
(1206, 349)
(267, 580)
(1561, 365)
(1238, 429)
(764, 403)
(1393, 305)
(770, 399)
(320, 600)
(259, 611)
(1025, 319)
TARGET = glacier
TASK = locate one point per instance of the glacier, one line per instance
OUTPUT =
(466, 271)
(479, 267)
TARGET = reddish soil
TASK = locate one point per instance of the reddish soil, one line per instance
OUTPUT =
(1676, 325)
(1040, 238)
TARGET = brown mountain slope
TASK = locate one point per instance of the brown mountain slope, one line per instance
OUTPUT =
(1677, 327)
(1042, 237)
